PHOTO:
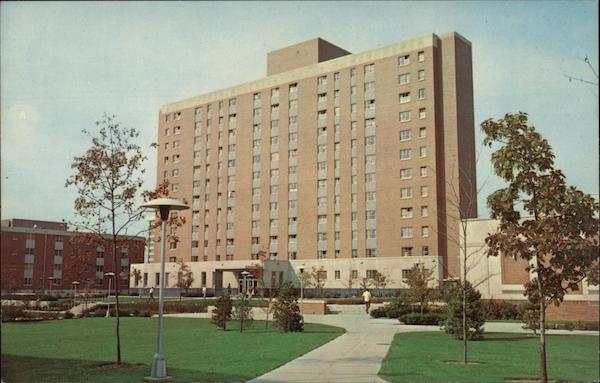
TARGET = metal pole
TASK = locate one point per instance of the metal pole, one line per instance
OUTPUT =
(44, 267)
(159, 365)
(302, 294)
(108, 299)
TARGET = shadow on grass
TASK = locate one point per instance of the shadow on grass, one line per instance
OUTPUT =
(26, 369)
(504, 338)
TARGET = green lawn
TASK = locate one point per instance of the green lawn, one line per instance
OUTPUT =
(74, 350)
(420, 357)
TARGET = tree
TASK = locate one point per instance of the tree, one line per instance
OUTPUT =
(418, 280)
(474, 313)
(318, 277)
(559, 239)
(380, 280)
(257, 271)
(185, 277)
(243, 311)
(222, 312)
(350, 281)
(137, 277)
(286, 311)
(108, 179)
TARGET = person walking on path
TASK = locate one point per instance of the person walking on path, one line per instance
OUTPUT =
(367, 298)
(151, 297)
(204, 292)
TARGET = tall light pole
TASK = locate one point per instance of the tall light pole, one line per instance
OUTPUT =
(110, 275)
(244, 275)
(162, 206)
(301, 270)
(50, 280)
(74, 283)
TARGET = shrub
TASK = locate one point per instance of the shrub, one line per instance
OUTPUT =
(68, 315)
(427, 319)
(286, 311)
(502, 310)
(531, 315)
(380, 312)
(222, 312)
(454, 317)
(11, 312)
(243, 312)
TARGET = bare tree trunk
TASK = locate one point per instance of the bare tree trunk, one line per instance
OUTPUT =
(543, 369)
(464, 306)
(116, 276)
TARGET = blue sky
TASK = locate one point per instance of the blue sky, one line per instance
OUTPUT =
(64, 64)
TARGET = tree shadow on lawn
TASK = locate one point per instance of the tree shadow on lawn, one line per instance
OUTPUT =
(503, 338)
(27, 369)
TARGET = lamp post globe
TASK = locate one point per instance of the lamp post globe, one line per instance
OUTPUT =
(162, 206)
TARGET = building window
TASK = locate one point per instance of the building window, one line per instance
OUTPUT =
(424, 231)
(369, 68)
(424, 211)
(370, 196)
(405, 116)
(422, 113)
(407, 251)
(421, 75)
(406, 192)
(370, 214)
(424, 191)
(421, 93)
(405, 154)
(421, 56)
(406, 212)
(370, 253)
(405, 173)
(423, 171)
(404, 97)
(177, 130)
(406, 232)
(166, 131)
(425, 251)
(404, 60)
(423, 151)
(422, 132)
(371, 234)
(405, 135)
(404, 78)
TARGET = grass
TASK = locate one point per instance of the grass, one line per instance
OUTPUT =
(196, 351)
(423, 356)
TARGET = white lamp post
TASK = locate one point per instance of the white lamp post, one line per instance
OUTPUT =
(162, 206)
(245, 283)
(74, 283)
(109, 275)
(51, 280)
(301, 270)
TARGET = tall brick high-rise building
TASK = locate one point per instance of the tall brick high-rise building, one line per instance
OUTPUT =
(357, 162)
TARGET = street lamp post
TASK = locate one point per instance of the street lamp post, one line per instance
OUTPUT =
(162, 206)
(244, 275)
(74, 283)
(302, 291)
(50, 281)
(110, 275)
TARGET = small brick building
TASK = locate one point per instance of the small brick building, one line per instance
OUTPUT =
(43, 255)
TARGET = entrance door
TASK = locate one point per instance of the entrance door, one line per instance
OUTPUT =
(218, 280)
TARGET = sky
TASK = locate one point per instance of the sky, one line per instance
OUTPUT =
(65, 64)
